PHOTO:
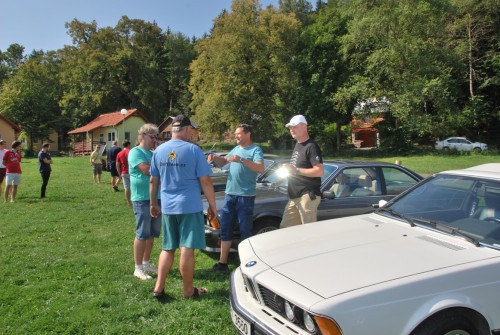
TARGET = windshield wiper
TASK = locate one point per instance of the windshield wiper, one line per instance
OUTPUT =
(449, 230)
(396, 214)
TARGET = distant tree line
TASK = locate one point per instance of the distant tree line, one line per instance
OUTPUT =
(436, 63)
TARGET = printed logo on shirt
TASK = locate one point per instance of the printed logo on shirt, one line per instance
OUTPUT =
(172, 155)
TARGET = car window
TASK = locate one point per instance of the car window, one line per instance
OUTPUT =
(397, 181)
(353, 182)
(469, 205)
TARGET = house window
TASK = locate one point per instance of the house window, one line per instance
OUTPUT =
(111, 136)
(101, 138)
(127, 135)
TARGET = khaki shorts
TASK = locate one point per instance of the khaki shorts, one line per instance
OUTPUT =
(13, 179)
(300, 211)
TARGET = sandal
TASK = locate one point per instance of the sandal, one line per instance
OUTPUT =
(159, 295)
(198, 292)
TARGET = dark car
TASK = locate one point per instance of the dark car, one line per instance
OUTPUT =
(347, 187)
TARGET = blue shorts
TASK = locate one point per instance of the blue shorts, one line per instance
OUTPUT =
(126, 181)
(183, 230)
(146, 225)
(236, 208)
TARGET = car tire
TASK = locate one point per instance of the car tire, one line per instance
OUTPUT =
(264, 225)
(450, 323)
(478, 150)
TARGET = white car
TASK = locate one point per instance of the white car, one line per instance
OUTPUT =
(426, 263)
(460, 144)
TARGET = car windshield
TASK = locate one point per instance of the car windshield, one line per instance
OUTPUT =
(463, 206)
(278, 178)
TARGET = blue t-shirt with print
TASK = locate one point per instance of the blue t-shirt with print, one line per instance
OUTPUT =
(179, 165)
(241, 180)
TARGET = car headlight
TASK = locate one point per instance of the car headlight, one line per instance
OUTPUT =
(290, 312)
(309, 323)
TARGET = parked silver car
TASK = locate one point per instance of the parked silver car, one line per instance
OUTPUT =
(460, 144)
(426, 263)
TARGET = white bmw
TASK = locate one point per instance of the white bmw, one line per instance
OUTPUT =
(426, 263)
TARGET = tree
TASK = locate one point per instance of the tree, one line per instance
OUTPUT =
(10, 60)
(30, 98)
(244, 70)
(397, 46)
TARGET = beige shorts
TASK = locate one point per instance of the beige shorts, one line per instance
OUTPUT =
(300, 210)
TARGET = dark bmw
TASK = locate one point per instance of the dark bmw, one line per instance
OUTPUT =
(347, 187)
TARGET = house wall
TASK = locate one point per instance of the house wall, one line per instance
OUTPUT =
(107, 135)
(53, 140)
(7, 133)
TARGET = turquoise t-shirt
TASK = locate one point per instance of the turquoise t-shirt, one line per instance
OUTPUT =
(139, 182)
(241, 180)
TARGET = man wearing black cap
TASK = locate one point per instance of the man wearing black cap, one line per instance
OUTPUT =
(181, 170)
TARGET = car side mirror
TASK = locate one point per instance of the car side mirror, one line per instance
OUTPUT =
(381, 203)
(329, 195)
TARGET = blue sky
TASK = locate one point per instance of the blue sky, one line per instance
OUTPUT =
(39, 24)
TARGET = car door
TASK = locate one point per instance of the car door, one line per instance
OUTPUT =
(364, 188)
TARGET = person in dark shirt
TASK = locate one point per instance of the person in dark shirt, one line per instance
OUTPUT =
(304, 176)
(115, 176)
(44, 162)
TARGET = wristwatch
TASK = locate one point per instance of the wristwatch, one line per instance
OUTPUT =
(242, 160)
(297, 171)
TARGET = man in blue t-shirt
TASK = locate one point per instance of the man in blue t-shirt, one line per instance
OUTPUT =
(180, 169)
(247, 161)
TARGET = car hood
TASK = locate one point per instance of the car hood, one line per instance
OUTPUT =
(336, 256)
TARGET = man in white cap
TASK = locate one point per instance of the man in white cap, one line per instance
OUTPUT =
(304, 179)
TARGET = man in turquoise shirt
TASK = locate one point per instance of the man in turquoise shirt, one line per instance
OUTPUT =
(147, 227)
(247, 161)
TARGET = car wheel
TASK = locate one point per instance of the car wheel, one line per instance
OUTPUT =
(449, 323)
(264, 225)
(446, 148)
(477, 149)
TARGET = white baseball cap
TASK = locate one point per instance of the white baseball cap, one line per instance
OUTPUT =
(296, 120)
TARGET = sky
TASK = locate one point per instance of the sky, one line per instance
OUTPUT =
(39, 24)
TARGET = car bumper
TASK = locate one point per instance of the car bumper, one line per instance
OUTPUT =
(246, 311)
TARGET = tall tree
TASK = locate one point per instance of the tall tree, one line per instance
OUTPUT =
(244, 70)
(10, 60)
(30, 98)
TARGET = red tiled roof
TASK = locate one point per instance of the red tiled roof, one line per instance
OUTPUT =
(10, 123)
(107, 120)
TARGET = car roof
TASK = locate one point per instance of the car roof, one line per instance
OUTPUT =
(488, 170)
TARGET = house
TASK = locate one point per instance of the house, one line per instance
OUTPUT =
(54, 139)
(9, 131)
(106, 128)
(165, 128)
(365, 118)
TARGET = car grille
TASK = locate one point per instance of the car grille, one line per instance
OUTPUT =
(269, 299)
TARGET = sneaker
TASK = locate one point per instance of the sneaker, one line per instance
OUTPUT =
(219, 267)
(148, 267)
(139, 273)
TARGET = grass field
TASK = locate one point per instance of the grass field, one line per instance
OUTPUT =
(66, 261)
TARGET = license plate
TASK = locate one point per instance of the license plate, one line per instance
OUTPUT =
(243, 326)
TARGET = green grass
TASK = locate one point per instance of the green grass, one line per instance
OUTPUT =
(66, 261)
(67, 265)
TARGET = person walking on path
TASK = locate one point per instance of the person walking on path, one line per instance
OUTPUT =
(2, 166)
(44, 166)
(12, 161)
(111, 159)
(147, 227)
(96, 163)
(305, 171)
(246, 162)
(182, 172)
(122, 168)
